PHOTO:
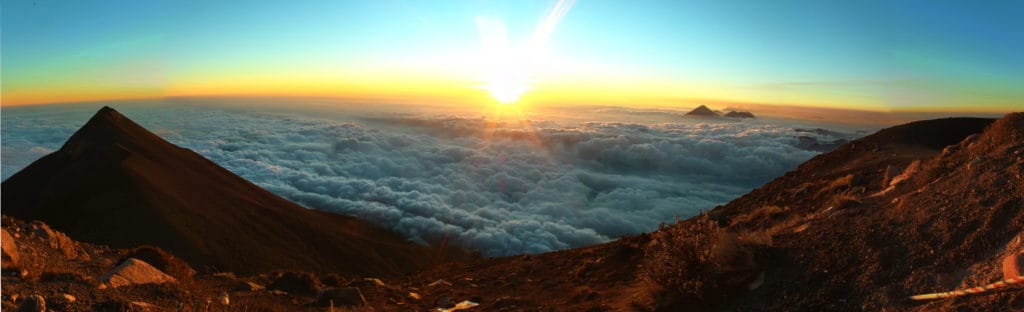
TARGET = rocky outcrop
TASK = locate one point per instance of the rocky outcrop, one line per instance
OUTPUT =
(10, 249)
(56, 240)
(133, 272)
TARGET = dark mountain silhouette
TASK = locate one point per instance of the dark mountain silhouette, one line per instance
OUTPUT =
(739, 114)
(702, 111)
(113, 182)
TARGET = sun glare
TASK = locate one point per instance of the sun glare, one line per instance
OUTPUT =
(507, 66)
(506, 86)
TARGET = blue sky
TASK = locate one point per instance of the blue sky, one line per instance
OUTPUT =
(850, 54)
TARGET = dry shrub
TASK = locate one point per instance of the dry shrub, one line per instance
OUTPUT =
(759, 216)
(841, 183)
(162, 260)
(765, 236)
(697, 263)
(333, 280)
(843, 201)
(301, 283)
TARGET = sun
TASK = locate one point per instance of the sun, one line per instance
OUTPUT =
(506, 85)
(506, 65)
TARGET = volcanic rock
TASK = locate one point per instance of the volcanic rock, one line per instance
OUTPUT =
(55, 239)
(133, 272)
(33, 303)
(1013, 265)
(10, 249)
(248, 286)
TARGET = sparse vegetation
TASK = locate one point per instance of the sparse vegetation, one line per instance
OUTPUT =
(842, 201)
(759, 216)
(698, 261)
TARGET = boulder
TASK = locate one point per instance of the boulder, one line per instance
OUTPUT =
(1013, 265)
(340, 297)
(10, 249)
(56, 240)
(134, 271)
(163, 261)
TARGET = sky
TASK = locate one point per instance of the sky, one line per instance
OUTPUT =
(865, 55)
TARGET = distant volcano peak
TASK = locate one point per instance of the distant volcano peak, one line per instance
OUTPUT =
(108, 128)
(702, 111)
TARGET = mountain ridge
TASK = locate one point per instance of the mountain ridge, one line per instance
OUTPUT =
(116, 183)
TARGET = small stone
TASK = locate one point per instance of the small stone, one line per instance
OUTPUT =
(1013, 265)
(143, 306)
(443, 302)
(343, 297)
(439, 282)
(68, 297)
(34, 303)
(757, 282)
(375, 281)
(248, 286)
(415, 296)
(224, 299)
(224, 275)
(465, 304)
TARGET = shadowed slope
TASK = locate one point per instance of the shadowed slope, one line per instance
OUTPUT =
(114, 182)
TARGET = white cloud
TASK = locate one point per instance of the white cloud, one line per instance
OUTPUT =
(502, 191)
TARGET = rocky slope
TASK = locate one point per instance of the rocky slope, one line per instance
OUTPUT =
(924, 207)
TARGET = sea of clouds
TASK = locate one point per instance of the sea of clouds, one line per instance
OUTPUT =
(502, 187)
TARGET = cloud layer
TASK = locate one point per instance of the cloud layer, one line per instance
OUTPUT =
(499, 187)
